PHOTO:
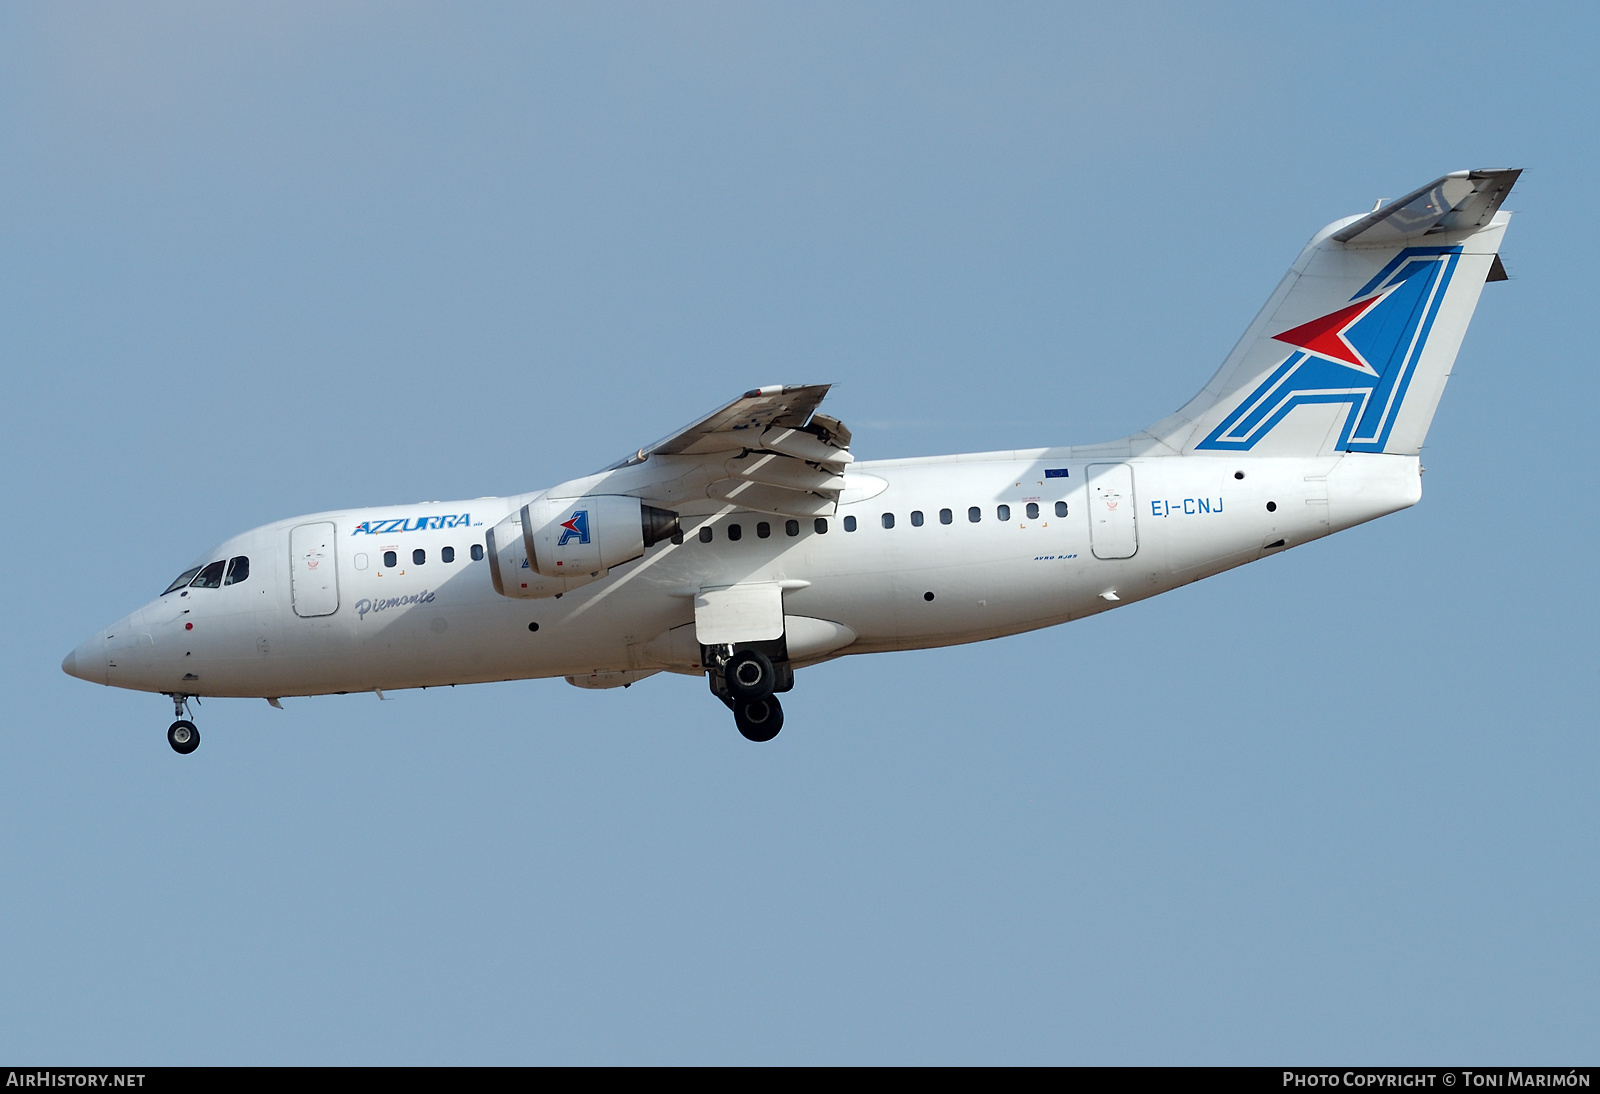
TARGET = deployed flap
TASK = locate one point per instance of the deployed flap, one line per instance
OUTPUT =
(768, 450)
(1458, 202)
(804, 446)
(774, 499)
(739, 613)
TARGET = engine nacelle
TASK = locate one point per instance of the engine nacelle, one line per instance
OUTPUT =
(554, 545)
(509, 568)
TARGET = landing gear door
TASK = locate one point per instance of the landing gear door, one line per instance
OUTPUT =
(313, 570)
(1112, 531)
(739, 613)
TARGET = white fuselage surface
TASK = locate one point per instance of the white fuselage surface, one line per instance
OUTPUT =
(431, 623)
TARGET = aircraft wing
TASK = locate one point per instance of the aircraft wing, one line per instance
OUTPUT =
(767, 450)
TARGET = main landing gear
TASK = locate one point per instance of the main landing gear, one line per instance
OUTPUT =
(746, 683)
(758, 719)
(182, 734)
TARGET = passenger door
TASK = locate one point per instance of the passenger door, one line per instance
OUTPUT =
(313, 570)
(1112, 531)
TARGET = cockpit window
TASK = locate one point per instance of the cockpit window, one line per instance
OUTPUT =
(183, 579)
(238, 570)
(210, 577)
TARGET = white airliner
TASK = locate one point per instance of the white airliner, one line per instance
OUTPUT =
(752, 543)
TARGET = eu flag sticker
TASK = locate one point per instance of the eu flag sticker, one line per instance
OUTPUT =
(1055, 472)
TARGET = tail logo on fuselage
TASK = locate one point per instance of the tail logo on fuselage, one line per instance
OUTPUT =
(576, 527)
(1363, 355)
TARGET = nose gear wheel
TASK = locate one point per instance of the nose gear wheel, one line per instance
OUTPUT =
(183, 737)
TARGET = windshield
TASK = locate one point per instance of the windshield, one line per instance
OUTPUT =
(210, 577)
(183, 579)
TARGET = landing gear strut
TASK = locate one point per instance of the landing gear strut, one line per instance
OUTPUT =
(182, 734)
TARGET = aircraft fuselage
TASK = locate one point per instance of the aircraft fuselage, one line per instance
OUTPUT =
(947, 579)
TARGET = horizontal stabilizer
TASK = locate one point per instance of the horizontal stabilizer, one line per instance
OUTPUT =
(1458, 202)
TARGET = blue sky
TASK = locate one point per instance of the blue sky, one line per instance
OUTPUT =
(1336, 806)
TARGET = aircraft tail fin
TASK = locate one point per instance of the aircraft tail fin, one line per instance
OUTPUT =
(1352, 351)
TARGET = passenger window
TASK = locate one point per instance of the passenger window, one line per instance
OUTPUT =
(1061, 508)
(916, 518)
(1003, 512)
(888, 520)
(477, 552)
(735, 532)
(849, 524)
(1033, 510)
(210, 577)
(763, 530)
(974, 514)
(447, 554)
(821, 525)
(418, 557)
(946, 516)
(791, 528)
(705, 533)
(183, 579)
(390, 559)
(238, 570)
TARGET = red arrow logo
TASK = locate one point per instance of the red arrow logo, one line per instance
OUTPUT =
(1325, 336)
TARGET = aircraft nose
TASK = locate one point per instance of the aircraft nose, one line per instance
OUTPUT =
(88, 661)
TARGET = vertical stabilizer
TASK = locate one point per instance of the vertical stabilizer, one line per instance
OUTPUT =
(1352, 351)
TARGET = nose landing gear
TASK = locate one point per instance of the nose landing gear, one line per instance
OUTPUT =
(183, 737)
(182, 734)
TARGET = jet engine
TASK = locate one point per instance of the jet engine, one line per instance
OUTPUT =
(556, 544)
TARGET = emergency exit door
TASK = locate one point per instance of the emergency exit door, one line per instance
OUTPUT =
(1113, 531)
(313, 570)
